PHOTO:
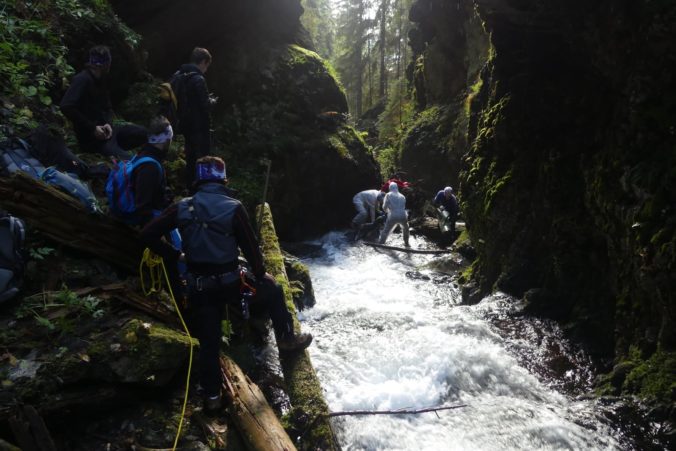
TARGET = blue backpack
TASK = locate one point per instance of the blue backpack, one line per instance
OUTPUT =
(120, 189)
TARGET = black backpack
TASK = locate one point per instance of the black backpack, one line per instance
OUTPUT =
(12, 236)
(174, 101)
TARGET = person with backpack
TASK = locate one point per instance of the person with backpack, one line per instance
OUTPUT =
(137, 188)
(87, 105)
(213, 226)
(193, 108)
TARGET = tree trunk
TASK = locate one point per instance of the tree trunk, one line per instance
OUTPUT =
(384, 7)
(249, 410)
(62, 218)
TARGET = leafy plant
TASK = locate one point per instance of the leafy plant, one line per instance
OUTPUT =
(40, 305)
(226, 328)
(39, 253)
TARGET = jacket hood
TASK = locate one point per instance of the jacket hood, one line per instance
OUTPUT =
(189, 67)
(394, 188)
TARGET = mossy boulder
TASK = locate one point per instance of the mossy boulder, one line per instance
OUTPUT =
(277, 101)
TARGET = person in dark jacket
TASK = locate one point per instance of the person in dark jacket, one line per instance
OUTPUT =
(447, 205)
(149, 181)
(213, 226)
(87, 105)
(193, 110)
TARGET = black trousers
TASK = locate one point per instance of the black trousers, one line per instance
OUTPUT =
(197, 144)
(207, 307)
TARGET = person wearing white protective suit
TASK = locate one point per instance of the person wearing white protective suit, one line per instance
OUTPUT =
(366, 203)
(395, 207)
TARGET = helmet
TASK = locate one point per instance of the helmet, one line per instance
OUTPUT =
(448, 191)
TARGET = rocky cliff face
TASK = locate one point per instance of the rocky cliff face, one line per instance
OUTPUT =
(277, 100)
(568, 180)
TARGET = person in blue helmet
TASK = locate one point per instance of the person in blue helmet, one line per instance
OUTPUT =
(214, 226)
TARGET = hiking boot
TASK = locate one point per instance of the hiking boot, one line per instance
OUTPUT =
(293, 343)
(212, 404)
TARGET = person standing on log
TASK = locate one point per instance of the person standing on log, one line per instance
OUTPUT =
(395, 207)
(213, 226)
(447, 204)
(194, 105)
(87, 105)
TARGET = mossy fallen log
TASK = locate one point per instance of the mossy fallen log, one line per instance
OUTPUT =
(255, 420)
(62, 218)
(303, 387)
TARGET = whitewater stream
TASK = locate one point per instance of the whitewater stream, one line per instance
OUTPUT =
(390, 335)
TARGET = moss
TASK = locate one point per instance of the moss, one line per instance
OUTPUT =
(473, 92)
(337, 144)
(303, 387)
(653, 379)
(494, 189)
(299, 56)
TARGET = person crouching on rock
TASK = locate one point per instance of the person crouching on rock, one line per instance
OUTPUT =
(447, 204)
(87, 105)
(213, 226)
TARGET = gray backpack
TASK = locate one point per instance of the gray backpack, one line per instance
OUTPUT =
(12, 236)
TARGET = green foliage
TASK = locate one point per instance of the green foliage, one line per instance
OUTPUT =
(388, 159)
(226, 329)
(60, 310)
(39, 253)
(317, 19)
(398, 112)
(652, 378)
(33, 55)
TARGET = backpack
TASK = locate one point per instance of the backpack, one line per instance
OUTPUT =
(15, 155)
(12, 236)
(119, 188)
(174, 102)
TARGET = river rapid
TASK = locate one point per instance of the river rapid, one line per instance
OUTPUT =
(390, 335)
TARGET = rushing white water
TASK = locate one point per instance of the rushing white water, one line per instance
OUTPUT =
(385, 341)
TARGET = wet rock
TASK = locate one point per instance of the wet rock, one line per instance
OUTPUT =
(471, 293)
(620, 373)
(300, 282)
(416, 275)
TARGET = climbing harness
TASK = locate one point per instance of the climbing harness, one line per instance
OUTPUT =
(156, 269)
(247, 291)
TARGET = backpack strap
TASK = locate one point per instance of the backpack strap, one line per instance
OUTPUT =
(136, 161)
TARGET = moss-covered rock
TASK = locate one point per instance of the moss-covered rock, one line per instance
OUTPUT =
(278, 100)
(566, 173)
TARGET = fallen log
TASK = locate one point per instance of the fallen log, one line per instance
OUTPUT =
(303, 387)
(6, 446)
(30, 430)
(63, 219)
(253, 417)
(408, 249)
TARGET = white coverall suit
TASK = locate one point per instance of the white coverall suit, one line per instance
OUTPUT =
(365, 202)
(395, 207)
